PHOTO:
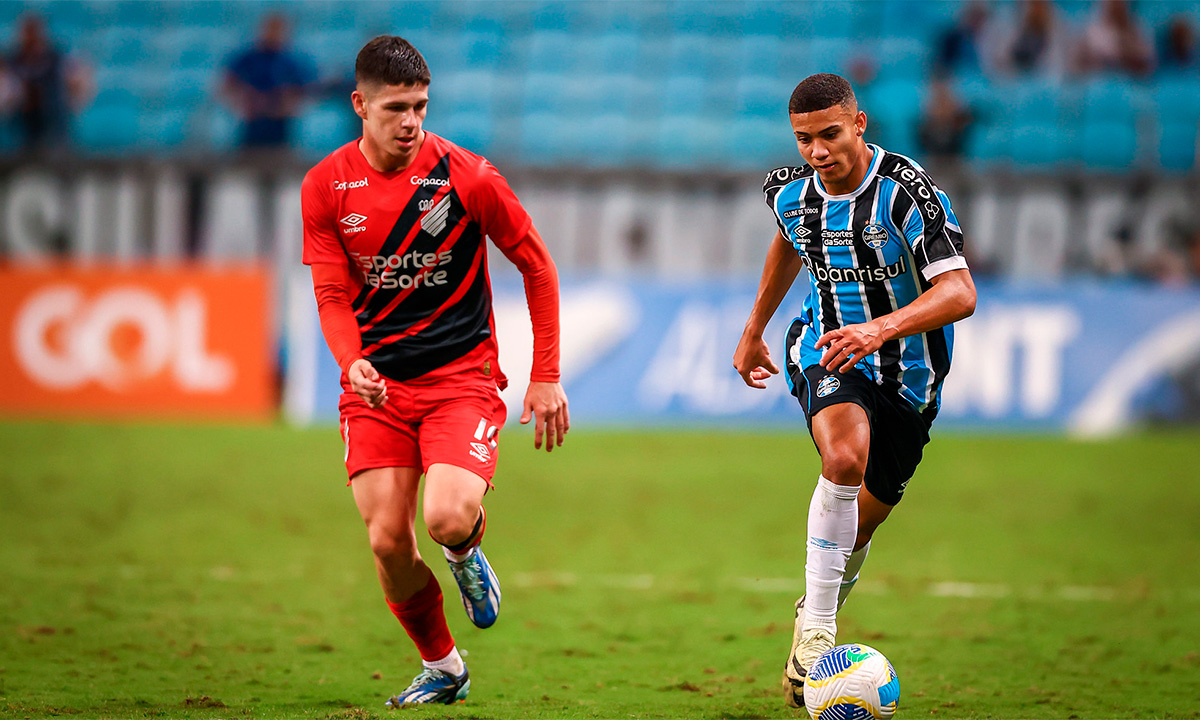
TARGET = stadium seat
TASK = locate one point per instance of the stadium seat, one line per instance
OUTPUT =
(690, 141)
(553, 51)
(472, 130)
(542, 140)
(1108, 145)
(1111, 99)
(758, 145)
(684, 94)
(758, 55)
(1177, 145)
(760, 97)
(1178, 98)
(902, 59)
(1036, 145)
(110, 124)
(165, 128)
(324, 127)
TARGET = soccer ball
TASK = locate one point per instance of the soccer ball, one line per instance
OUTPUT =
(851, 682)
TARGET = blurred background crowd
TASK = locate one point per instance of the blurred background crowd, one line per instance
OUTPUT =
(1105, 87)
(637, 133)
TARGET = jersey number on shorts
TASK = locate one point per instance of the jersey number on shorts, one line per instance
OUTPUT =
(486, 431)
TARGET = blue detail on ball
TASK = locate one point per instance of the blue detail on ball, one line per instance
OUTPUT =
(831, 663)
(845, 711)
(890, 693)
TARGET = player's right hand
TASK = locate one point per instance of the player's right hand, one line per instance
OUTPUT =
(367, 383)
(752, 360)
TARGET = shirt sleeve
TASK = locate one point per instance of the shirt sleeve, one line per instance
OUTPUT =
(493, 204)
(332, 286)
(934, 235)
(541, 293)
(775, 181)
(321, 241)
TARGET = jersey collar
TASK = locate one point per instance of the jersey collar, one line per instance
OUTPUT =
(877, 155)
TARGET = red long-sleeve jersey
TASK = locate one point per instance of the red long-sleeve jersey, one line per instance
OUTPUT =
(400, 265)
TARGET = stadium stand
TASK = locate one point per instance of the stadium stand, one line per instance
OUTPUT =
(675, 85)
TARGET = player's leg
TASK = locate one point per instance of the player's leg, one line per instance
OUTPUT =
(459, 436)
(387, 500)
(871, 514)
(456, 519)
(842, 433)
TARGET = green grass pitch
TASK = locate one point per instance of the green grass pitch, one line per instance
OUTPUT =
(213, 571)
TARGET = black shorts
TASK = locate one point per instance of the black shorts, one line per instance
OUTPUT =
(898, 432)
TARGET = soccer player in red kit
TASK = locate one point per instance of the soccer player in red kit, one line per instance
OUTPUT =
(394, 227)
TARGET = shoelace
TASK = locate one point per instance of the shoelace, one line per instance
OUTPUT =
(427, 675)
(470, 578)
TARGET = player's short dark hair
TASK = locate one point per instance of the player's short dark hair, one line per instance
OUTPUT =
(390, 60)
(820, 91)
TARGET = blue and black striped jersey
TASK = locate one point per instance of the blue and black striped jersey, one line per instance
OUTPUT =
(869, 253)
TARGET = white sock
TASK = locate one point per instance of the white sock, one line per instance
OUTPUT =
(853, 566)
(452, 663)
(455, 557)
(832, 529)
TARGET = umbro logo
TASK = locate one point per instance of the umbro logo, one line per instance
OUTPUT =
(801, 232)
(480, 452)
(434, 221)
(354, 221)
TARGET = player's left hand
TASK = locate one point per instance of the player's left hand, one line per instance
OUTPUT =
(848, 345)
(547, 401)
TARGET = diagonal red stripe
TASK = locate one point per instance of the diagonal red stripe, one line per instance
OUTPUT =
(409, 239)
(387, 309)
(450, 302)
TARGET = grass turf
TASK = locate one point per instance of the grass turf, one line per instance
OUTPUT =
(209, 571)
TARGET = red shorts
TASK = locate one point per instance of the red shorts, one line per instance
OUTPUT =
(454, 421)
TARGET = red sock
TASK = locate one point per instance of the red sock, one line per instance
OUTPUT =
(476, 535)
(425, 621)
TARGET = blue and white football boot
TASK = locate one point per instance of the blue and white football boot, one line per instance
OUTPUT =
(478, 586)
(434, 686)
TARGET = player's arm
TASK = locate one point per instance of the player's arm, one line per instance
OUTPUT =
(951, 299)
(331, 284)
(324, 252)
(545, 399)
(752, 359)
(505, 221)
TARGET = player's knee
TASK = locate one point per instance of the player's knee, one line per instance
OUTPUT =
(450, 525)
(844, 464)
(392, 547)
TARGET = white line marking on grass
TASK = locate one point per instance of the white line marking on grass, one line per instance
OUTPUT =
(968, 590)
(795, 586)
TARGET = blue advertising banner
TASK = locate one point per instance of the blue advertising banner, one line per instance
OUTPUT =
(1087, 358)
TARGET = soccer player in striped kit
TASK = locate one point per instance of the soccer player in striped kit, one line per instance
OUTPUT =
(394, 227)
(869, 353)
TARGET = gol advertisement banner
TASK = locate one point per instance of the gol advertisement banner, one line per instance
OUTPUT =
(147, 342)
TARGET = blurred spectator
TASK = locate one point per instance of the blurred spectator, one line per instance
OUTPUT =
(1114, 42)
(267, 84)
(47, 85)
(945, 123)
(965, 46)
(1039, 42)
(1177, 51)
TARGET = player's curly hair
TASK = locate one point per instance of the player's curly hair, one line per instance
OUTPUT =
(390, 60)
(820, 91)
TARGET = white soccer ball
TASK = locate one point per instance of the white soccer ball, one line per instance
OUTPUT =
(851, 682)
